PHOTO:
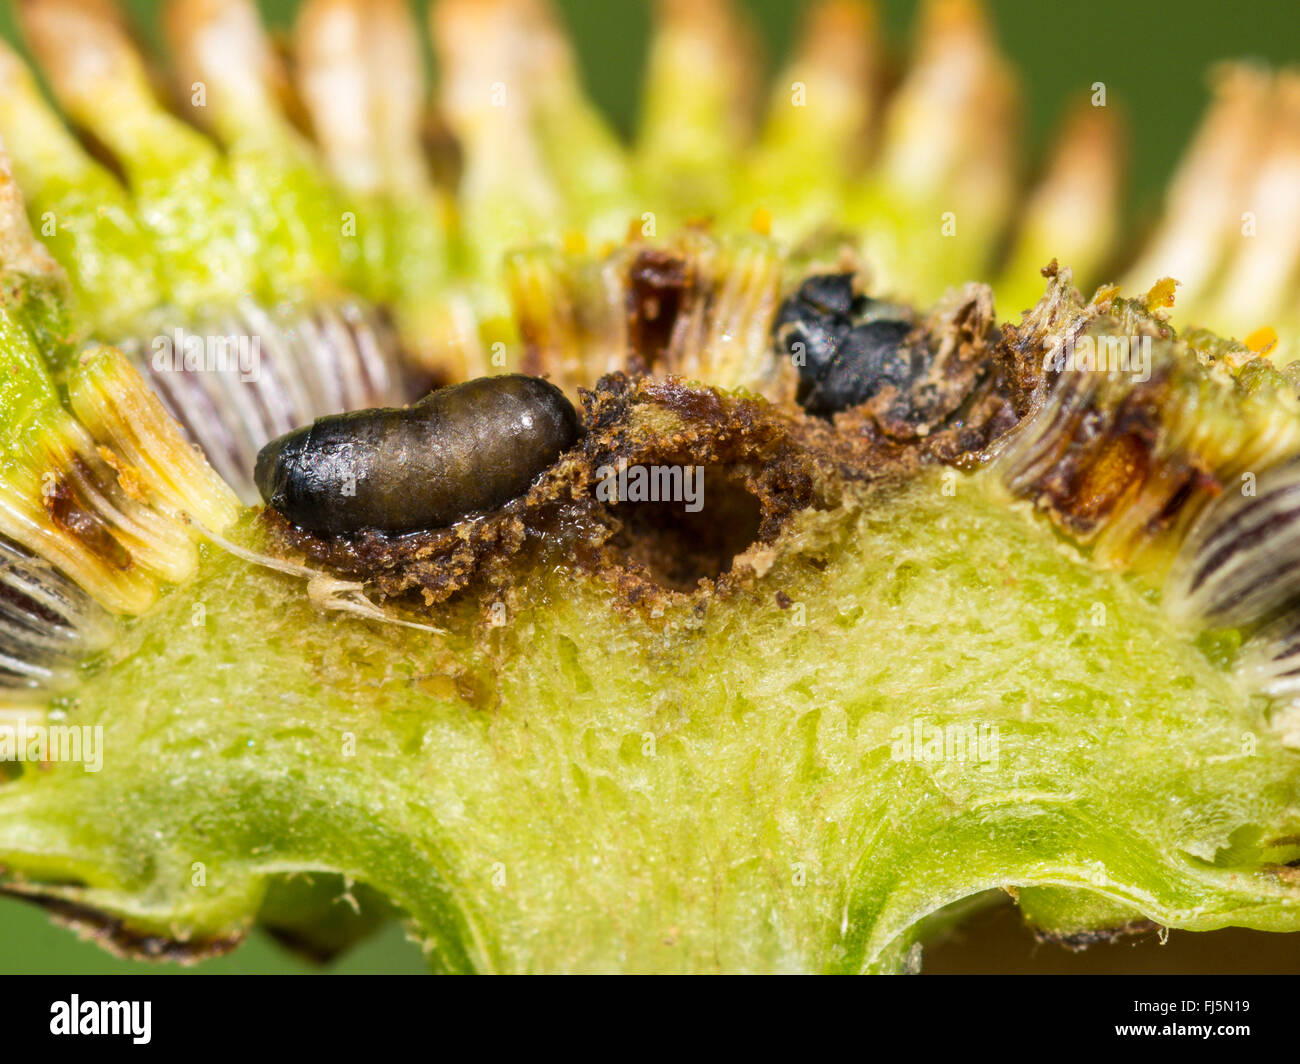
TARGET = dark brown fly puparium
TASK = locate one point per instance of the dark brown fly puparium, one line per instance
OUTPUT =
(846, 346)
(461, 450)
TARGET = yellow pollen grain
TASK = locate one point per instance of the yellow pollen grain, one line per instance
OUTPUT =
(1161, 294)
(1262, 339)
(1105, 294)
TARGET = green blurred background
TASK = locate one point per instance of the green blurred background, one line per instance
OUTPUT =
(1153, 56)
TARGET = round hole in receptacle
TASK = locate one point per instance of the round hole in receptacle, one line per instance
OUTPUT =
(680, 542)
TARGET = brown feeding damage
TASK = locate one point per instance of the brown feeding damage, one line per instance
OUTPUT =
(760, 465)
(943, 386)
(71, 515)
(962, 396)
(657, 286)
(1103, 452)
(1131, 431)
(1105, 456)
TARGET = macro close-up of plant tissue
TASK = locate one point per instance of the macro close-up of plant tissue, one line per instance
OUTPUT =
(683, 486)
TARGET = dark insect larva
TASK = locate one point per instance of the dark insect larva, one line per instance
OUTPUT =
(845, 345)
(460, 450)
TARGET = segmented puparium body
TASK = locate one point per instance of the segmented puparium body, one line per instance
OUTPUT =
(462, 450)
